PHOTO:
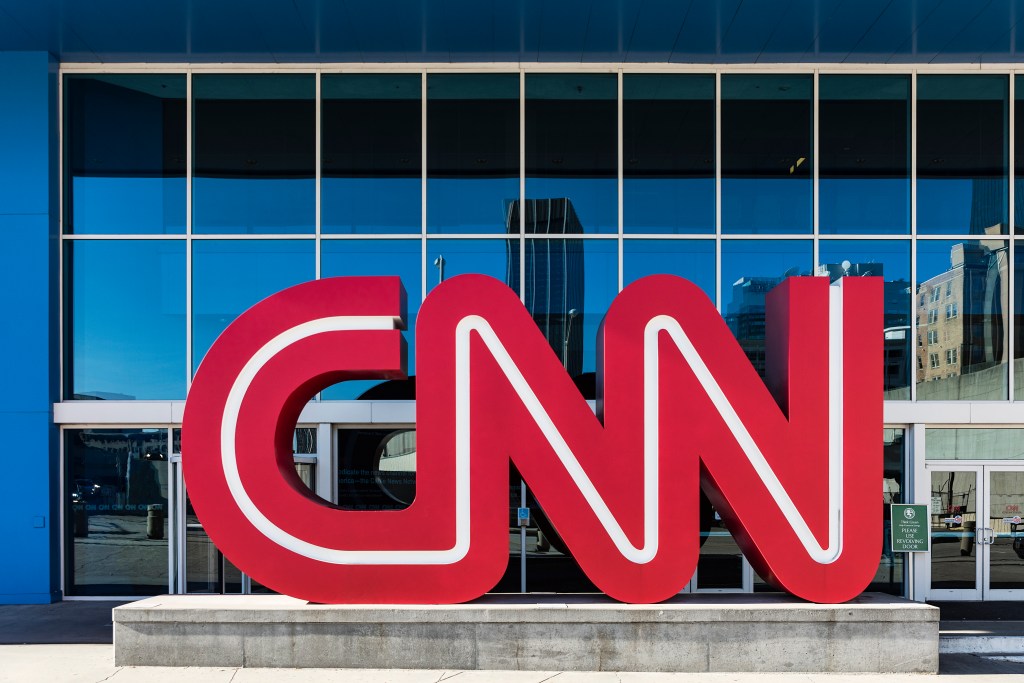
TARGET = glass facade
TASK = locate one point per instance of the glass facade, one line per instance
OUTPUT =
(710, 178)
(370, 137)
(565, 186)
(767, 138)
(124, 151)
(254, 154)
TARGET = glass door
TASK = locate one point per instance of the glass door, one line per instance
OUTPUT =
(955, 555)
(198, 566)
(977, 533)
(1004, 533)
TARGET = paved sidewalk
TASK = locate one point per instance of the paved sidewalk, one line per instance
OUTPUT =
(94, 664)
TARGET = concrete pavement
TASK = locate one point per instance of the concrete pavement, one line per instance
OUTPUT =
(94, 664)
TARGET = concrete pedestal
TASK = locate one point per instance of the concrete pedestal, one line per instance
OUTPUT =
(694, 633)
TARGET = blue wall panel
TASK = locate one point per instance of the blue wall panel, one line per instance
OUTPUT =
(28, 341)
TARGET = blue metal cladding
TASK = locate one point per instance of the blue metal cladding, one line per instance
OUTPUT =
(632, 31)
(28, 280)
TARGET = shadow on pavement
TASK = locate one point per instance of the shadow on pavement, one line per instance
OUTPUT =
(60, 623)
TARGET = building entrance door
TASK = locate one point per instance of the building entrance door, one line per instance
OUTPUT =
(977, 536)
(197, 565)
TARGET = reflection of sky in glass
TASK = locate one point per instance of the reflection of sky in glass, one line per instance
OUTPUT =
(961, 153)
(473, 151)
(864, 205)
(947, 205)
(133, 206)
(376, 257)
(600, 285)
(254, 153)
(766, 153)
(762, 258)
(230, 276)
(571, 145)
(470, 205)
(864, 154)
(128, 319)
(766, 205)
(370, 205)
(125, 155)
(487, 257)
(370, 153)
(690, 259)
(253, 205)
(933, 257)
(668, 147)
(680, 205)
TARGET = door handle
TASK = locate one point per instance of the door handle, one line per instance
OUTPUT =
(987, 536)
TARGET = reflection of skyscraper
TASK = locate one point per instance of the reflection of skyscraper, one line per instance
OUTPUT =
(897, 331)
(745, 316)
(961, 324)
(553, 275)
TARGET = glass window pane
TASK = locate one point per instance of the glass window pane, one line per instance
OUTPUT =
(890, 260)
(376, 468)
(1006, 551)
(766, 153)
(124, 154)
(1018, 146)
(974, 444)
(254, 160)
(572, 145)
(124, 319)
(229, 276)
(450, 257)
(1018, 321)
(570, 283)
(206, 568)
(864, 147)
(668, 128)
(750, 269)
(371, 149)
(472, 152)
(961, 312)
(376, 257)
(961, 155)
(953, 527)
(116, 501)
(690, 259)
(891, 568)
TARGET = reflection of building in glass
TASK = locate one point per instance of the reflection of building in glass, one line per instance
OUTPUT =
(745, 316)
(553, 291)
(961, 324)
(896, 321)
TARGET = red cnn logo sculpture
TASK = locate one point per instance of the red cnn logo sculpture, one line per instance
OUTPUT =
(792, 467)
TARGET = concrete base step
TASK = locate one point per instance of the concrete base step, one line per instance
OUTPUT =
(693, 633)
(981, 644)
